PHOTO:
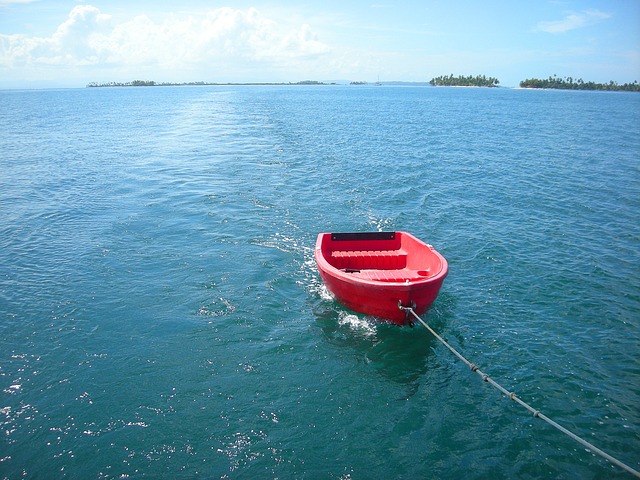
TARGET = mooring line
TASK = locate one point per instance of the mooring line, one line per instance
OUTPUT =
(514, 397)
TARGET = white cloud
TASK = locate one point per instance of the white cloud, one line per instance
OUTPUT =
(573, 21)
(6, 3)
(220, 37)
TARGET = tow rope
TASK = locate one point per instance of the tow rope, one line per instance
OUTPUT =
(514, 397)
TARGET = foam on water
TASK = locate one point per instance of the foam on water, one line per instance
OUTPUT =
(360, 325)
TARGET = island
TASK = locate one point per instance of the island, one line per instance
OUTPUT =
(462, 81)
(569, 83)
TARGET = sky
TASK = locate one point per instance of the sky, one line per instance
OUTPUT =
(66, 43)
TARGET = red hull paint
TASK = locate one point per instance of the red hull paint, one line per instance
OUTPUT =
(372, 272)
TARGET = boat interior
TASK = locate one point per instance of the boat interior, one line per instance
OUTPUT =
(380, 256)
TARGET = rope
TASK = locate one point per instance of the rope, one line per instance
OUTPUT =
(514, 397)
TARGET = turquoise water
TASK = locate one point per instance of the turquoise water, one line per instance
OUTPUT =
(161, 315)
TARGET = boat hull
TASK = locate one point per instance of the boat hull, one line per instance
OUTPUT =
(374, 272)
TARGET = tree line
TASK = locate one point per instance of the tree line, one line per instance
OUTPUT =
(569, 83)
(462, 81)
(134, 83)
(555, 82)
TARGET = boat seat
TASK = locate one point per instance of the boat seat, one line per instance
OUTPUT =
(401, 275)
(381, 260)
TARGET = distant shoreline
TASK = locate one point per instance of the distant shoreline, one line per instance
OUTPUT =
(529, 84)
(151, 83)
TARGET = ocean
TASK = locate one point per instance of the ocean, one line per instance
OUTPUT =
(161, 315)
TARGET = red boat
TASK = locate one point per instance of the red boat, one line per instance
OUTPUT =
(375, 272)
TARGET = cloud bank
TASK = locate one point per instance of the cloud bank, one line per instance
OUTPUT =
(573, 21)
(212, 42)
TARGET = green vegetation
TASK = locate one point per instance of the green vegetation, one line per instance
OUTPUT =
(151, 83)
(579, 84)
(462, 81)
(135, 83)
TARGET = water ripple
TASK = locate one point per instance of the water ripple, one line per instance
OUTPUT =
(161, 313)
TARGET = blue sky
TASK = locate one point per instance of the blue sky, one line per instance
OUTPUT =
(69, 44)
